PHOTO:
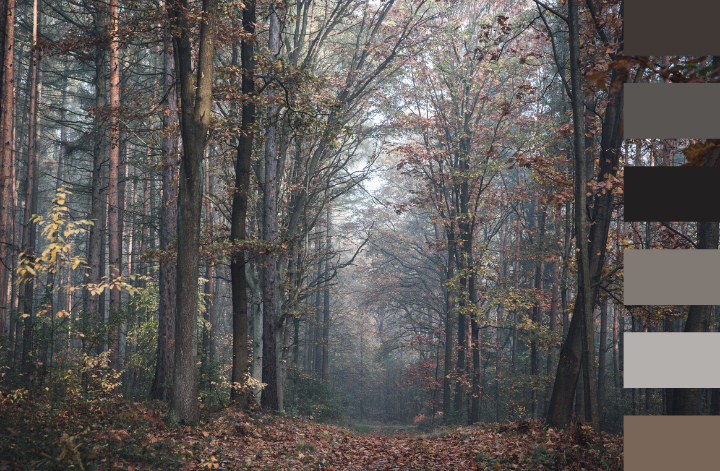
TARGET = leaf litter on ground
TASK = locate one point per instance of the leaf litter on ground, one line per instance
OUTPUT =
(115, 435)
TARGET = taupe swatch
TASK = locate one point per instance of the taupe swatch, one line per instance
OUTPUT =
(671, 277)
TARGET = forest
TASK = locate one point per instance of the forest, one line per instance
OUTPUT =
(326, 234)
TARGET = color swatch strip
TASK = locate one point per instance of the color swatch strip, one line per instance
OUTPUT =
(671, 28)
(671, 443)
(672, 194)
(671, 110)
(672, 277)
(671, 360)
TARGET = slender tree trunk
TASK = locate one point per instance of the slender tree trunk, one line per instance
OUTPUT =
(115, 236)
(209, 330)
(537, 320)
(31, 203)
(269, 367)
(602, 357)
(317, 325)
(98, 202)
(162, 381)
(449, 321)
(326, 297)
(7, 157)
(616, 346)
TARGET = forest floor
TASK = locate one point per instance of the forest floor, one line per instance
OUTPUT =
(107, 434)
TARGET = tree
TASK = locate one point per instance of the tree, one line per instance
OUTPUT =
(592, 242)
(114, 202)
(168, 231)
(7, 160)
(195, 108)
(238, 231)
(269, 369)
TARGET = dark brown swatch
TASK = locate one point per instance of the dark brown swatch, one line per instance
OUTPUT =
(671, 28)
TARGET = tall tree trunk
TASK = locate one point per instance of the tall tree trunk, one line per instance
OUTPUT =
(31, 203)
(238, 231)
(537, 320)
(269, 367)
(161, 386)
(7, 158)
(208, 339)
(98, 201)
(449, 321)
(115, 236)
(475, 335)
(317, 325)
(326, 296)
(195, 109)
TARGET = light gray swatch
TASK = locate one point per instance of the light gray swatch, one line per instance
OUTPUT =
(671, 360)
(671, 111)
(672, 277)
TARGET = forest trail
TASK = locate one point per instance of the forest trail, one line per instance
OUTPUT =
(110, 435)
